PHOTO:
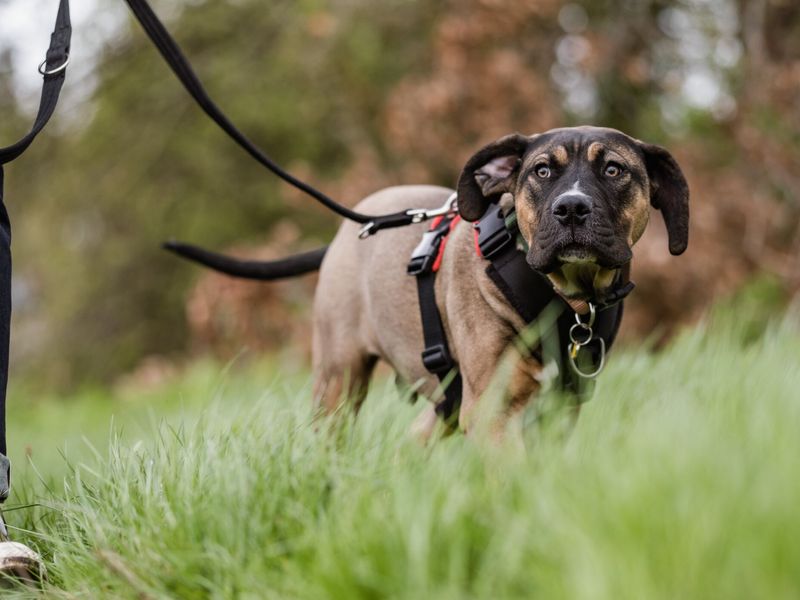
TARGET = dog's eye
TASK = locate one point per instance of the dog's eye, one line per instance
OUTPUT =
(542, 171)
(613, 170)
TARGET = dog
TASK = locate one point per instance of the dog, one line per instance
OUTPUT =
(582, 197)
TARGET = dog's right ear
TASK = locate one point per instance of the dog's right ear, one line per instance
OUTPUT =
(489, 174)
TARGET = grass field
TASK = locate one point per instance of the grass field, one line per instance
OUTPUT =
(681, 480)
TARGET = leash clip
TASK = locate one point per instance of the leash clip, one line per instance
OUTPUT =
(581, 335)
(418, 215)
(409, 217)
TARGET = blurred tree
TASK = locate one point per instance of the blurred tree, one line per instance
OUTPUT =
(354, 95)
(305, 80)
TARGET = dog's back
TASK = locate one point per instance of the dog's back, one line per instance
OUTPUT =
(365, 305)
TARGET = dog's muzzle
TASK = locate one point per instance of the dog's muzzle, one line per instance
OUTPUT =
(576, 229)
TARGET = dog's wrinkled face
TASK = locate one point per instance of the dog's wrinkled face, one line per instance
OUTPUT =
(582, 197)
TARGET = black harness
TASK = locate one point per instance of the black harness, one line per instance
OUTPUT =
(577, 346)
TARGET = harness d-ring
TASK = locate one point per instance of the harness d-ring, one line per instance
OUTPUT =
(600, 367)
(580, 335)
(45, 72)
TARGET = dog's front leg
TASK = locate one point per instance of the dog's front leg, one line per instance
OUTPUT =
(494, 404)
(428, 426)
(503, 404)
(497, 380)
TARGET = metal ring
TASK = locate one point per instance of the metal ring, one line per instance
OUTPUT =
(44, 72)
(586, 329)
(367, 230)
(596, 372)
(592, 315)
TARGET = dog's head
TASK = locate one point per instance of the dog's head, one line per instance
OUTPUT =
(582, 198)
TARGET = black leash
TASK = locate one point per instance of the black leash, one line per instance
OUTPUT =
(53, 69)
(176, 60)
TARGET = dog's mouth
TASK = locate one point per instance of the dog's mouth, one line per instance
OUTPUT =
(580, 271)
(548, 260)
(576, 254)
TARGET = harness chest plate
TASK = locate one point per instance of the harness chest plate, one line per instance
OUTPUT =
(529, 292)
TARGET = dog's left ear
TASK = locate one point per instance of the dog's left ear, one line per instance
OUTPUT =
(489, 174)
(669, 193)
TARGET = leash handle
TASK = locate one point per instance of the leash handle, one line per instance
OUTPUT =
(179, 65)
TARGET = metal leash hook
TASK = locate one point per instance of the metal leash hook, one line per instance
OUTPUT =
(580, 335)
(418, 215)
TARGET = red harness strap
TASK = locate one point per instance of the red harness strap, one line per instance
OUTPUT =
(435, 223)
(438, 262)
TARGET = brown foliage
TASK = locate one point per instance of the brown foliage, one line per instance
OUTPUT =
(489, 76)
(227, 316)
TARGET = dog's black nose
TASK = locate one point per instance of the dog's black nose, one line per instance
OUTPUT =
(572, 209)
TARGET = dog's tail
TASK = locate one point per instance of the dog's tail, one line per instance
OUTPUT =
(291, 266)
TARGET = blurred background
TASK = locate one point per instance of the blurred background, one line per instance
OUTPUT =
(352, 96)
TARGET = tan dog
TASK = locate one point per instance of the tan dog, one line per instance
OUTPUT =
(582, 197)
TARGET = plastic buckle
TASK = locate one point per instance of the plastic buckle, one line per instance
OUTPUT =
(437, 359)
(493, 235)
(618, 295)
(424, 254)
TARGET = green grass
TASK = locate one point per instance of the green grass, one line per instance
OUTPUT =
(680, 480)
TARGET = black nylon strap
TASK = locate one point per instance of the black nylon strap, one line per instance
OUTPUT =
(54, 69)
(172, 54)
(57, 55)
(525, 289)
(436, 356)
